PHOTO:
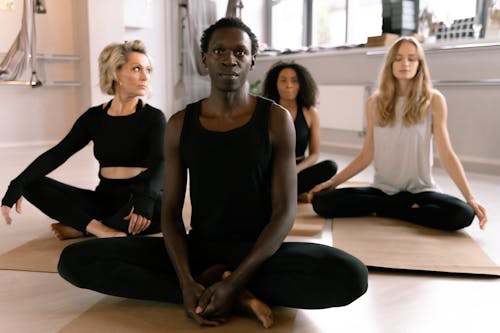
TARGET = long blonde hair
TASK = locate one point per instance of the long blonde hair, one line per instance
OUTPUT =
(419, 99)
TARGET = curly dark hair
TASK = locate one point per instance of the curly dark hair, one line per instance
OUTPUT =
(228, 22)
(308, 89)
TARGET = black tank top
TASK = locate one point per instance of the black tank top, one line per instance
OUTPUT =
(229, 175)
(301, 133)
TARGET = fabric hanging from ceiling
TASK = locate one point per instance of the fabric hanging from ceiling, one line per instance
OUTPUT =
(23, 51)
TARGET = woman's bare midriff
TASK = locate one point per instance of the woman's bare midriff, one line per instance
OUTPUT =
(121, 172)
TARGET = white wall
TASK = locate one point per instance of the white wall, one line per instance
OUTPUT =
(106, 25)
(74, 27)
(158, 41)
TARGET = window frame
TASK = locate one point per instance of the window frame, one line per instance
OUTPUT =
(481, 13)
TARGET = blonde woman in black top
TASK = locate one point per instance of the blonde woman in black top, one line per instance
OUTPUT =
(293, 87)
(128, 143)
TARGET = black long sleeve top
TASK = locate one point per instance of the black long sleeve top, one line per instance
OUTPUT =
(135, 140)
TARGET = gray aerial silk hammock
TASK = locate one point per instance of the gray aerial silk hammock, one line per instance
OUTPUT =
(23, 50)
(234, 8)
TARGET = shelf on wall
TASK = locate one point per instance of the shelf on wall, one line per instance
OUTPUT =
(438, 47)
(42, 84)
(57, 57)
(54, 57)
(46, 57)
(467, 83)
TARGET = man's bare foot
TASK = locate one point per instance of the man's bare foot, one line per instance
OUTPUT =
(63, 232)
(252, 305)
(249, 304)
(100, 230)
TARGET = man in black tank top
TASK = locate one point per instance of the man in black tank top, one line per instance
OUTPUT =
(239, 152)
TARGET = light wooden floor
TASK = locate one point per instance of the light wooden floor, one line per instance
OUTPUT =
(395, 302)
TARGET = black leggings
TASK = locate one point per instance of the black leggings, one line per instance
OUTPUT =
(435, 210)
(76, 207)
(315, 174)
(298, 275)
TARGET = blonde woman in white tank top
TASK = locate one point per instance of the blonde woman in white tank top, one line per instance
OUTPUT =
(404, 116)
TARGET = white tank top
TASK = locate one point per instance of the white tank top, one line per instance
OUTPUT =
(403, 155)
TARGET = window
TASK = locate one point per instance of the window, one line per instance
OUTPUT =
(457, 19)
(287, 24)
(323, 23)
(364, 19)
(329, 22)
(448, 10)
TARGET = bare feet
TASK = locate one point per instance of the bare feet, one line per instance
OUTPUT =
(63, 232)
(250, 304)
(100, 230)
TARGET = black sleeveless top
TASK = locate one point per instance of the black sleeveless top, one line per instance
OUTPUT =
(302, 133)
(229, 175)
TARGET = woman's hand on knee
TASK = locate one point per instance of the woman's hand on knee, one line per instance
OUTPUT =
(480, 212)
(137, 223)
(6, 210)
(318, 188)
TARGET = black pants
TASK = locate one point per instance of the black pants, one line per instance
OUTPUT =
(435, 210)
(76, 207)
(299, 275)
(315, 174)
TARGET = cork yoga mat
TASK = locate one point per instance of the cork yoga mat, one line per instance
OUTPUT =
(38, 255)
(389, 243)
(114, 314)
(307, 222)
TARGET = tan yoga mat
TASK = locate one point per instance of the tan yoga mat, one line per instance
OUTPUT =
(114, 314)
(38, 255)
(389, 243)
(307, 222)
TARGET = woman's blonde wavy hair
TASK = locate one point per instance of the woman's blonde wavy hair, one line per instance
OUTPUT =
(419, 99)
(112, 58)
